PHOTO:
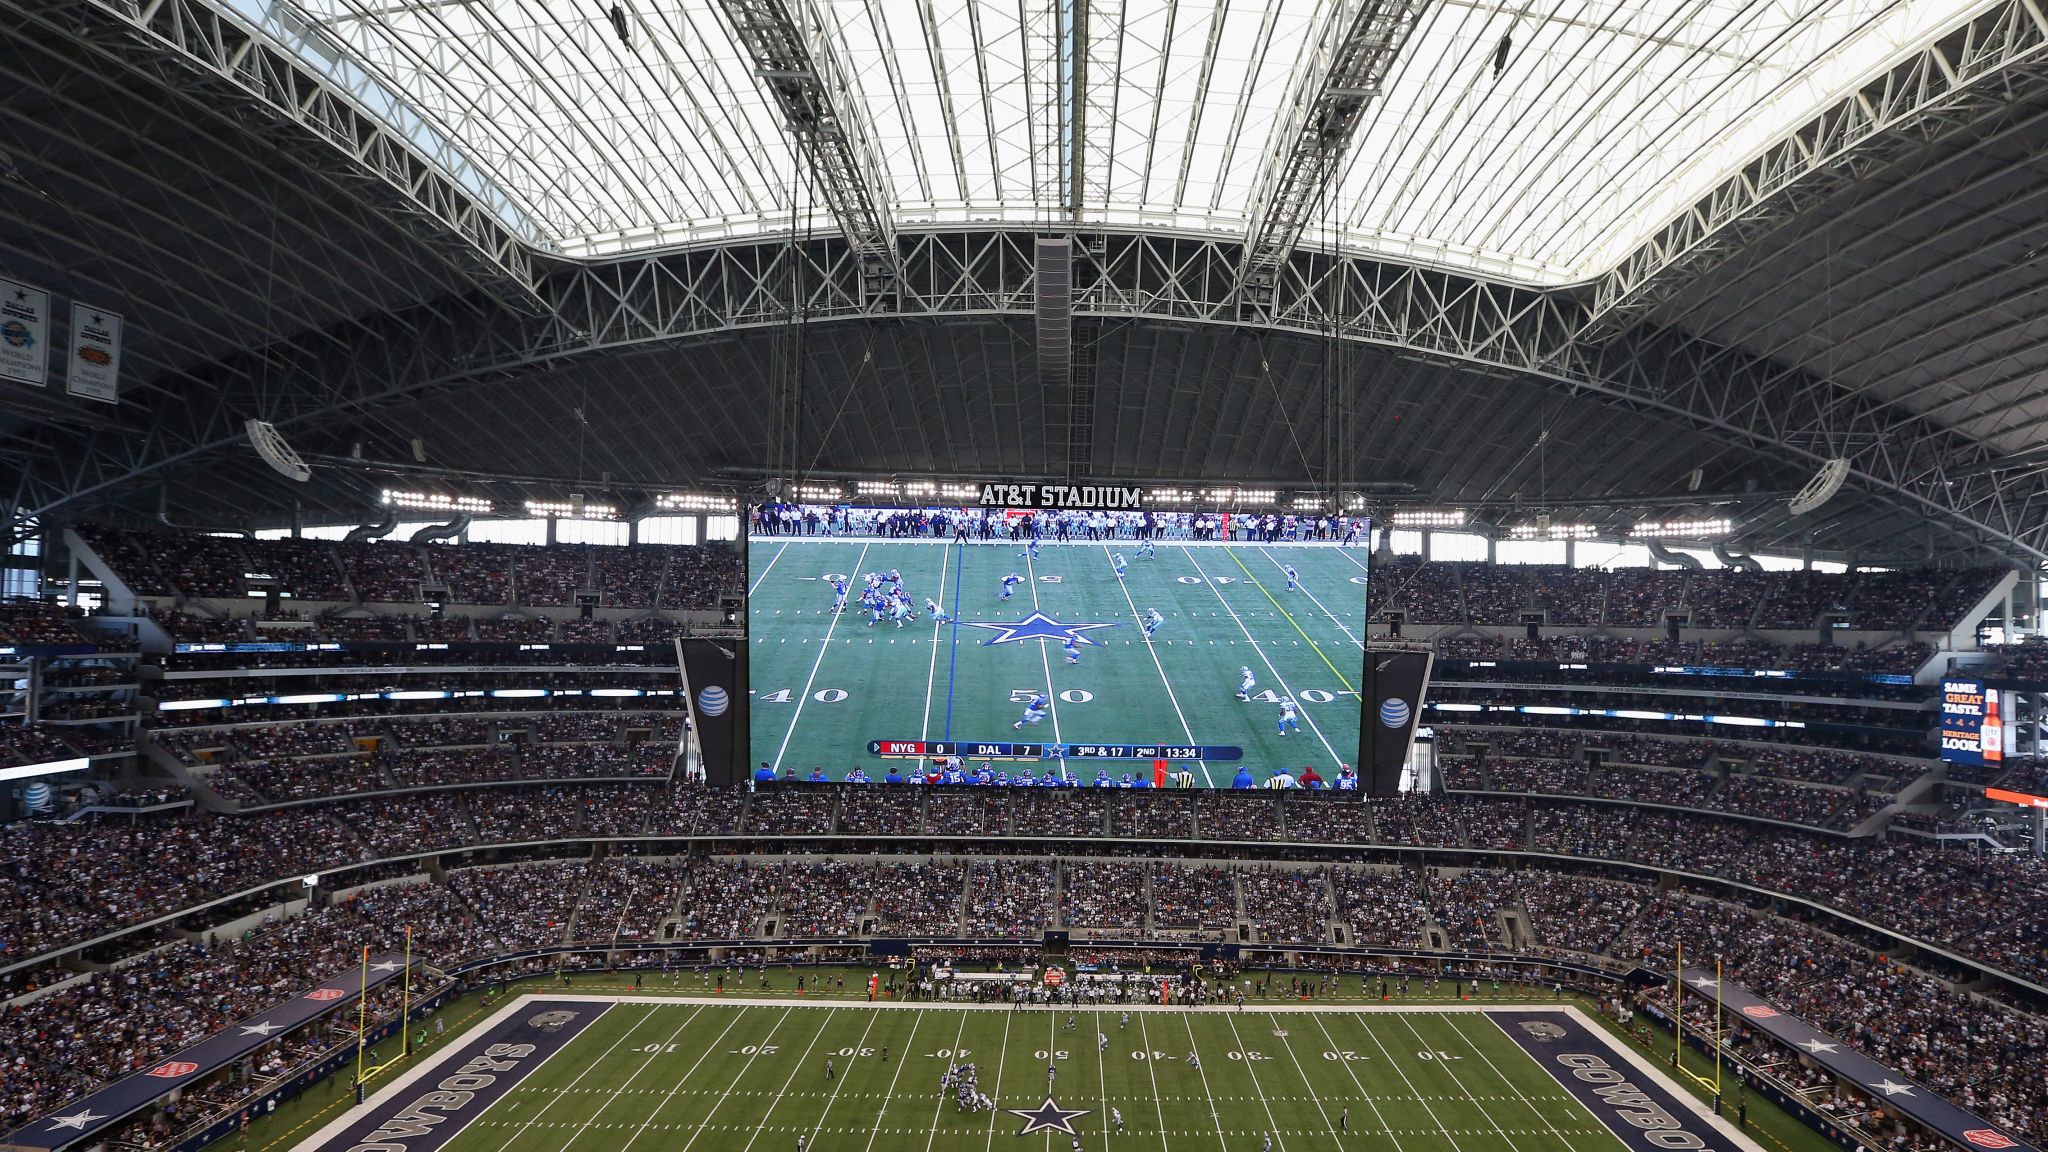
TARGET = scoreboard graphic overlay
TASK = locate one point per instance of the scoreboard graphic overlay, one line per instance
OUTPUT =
(1039, 662)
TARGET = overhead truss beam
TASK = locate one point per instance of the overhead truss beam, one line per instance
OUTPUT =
(1353, 56)
(1516, 333)
(793, 47)
(1936, 92)
(193, 45)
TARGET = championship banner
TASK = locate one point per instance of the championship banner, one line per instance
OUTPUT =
(1390, 707)
(94, 364)
(82, 1119)
(1888, 1088)
(24, 334)
(715, 688)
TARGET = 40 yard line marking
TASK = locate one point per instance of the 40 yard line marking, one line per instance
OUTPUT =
(1145, 1034)
(823, 647)
(1263, 658)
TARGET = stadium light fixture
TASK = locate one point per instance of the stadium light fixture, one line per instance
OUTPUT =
(826, 492)
(1441, 518)
(1681, 529)
(436, 502)
(1551, 532)
(561, 509)
(693, 502)
(1170, 496)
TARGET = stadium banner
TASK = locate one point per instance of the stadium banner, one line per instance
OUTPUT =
(1629, 1099)
(24, 334)
(1390, 707)
(1888, 1088)
(430, 1106)
(715, 690)
(82, 1119)
(94, 363)
(1064, 497)
(1972, 731)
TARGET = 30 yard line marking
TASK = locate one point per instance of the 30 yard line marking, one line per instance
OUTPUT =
(1263, 658)
(909, 1046)
(824, 647)
(1154, 653)
(838, 1082)
(737, 1077)
(1302, 1073)
(1261, 1090)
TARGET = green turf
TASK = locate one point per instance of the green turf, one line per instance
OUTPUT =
(824, 686)
(679, 1077)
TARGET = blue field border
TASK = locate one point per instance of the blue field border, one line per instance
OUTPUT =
(953, 657)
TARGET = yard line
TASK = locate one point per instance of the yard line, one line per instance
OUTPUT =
(790, 1079)
(1157, 1107)
(931, 677)
(555, 1099)
(823, 647)
(756, 585)
(1102, 1077)
(838, 1082)
(1260, 1089)
(1303, 1073)
(909, 1046)
(940, 1107)
(1303, 586)
(737, 1077)
(1284, 614)
(1281, 680)
(1419, 1097)
(1002, 1054)
(680, 1081)
(1052, 698)
(1480, 1050)
(1360, 1085)
(1206, 1094)
(1154, 653)
(1409, 1021)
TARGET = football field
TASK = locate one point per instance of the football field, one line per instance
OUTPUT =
(825, 685)
(668, 1076)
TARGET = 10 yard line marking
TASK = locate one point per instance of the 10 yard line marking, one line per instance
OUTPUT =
(823, 647)
(1154, 653)
(1480, 1051)
(1263, 658)
(552, 1101)
(1420, 1098)
(642, 1130)
(1456, 1079)
(737, 1077)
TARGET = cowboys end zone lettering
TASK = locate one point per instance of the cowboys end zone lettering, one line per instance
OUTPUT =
(1062, 496)
(1633, 1105)
(423, 1114)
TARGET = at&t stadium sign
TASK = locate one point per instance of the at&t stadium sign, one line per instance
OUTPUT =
(1069, 497)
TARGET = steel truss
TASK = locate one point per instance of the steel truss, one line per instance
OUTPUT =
(1504, 330)
(1934, 94)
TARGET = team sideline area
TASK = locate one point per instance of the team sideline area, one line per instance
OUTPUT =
(826, 684)
(558, 1069)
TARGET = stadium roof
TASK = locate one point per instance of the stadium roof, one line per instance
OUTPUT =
(1604, 120)
(1737, 238)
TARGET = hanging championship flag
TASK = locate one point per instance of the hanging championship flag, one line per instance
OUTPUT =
(95, 363)
(24, 334)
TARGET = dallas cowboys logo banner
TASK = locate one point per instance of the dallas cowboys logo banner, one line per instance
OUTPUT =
(82, 1119)
(1877, 1081)
(94, 361)
(24, 334)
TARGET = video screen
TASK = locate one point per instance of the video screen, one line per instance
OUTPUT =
(1129, 649)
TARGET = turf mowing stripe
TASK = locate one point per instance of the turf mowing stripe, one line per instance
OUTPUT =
(755, 587)
(1263, 658)
(1153, 652)
(953, 657)
(931, 676)
(824, 646)
(1289, 616)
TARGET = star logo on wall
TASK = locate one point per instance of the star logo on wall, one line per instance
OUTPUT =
(1891, 1087)
(1048, 1117)
(1038, 626)
(79, 1120)
(1818, 1046)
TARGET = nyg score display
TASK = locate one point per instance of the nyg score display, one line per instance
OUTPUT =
(1055, 634)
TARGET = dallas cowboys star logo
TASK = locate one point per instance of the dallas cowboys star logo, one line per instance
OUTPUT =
(1038, 626)
(1818, 1046)
(1891, 1087)
(260, 1028)
(385, 966)
(78, 1121)
(1048, 1117)
(1703, 982)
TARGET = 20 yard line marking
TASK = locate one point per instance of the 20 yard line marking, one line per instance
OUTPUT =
(1154, 653)
(638, 1132)
(737, 1077)
(823, 648)
(1378, 1118)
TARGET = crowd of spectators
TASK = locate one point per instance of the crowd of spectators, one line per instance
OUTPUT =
(1193, 897)
(1380, 907)
(1287, 905)
(1009, 897)
(1100, 894)
(920, 899)
(36, 622)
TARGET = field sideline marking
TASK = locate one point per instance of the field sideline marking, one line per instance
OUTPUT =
(1153, 652)
(1266, 660)
(823, 647)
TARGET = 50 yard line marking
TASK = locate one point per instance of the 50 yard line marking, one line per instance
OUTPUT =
(823, 647)
(1154, 653)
